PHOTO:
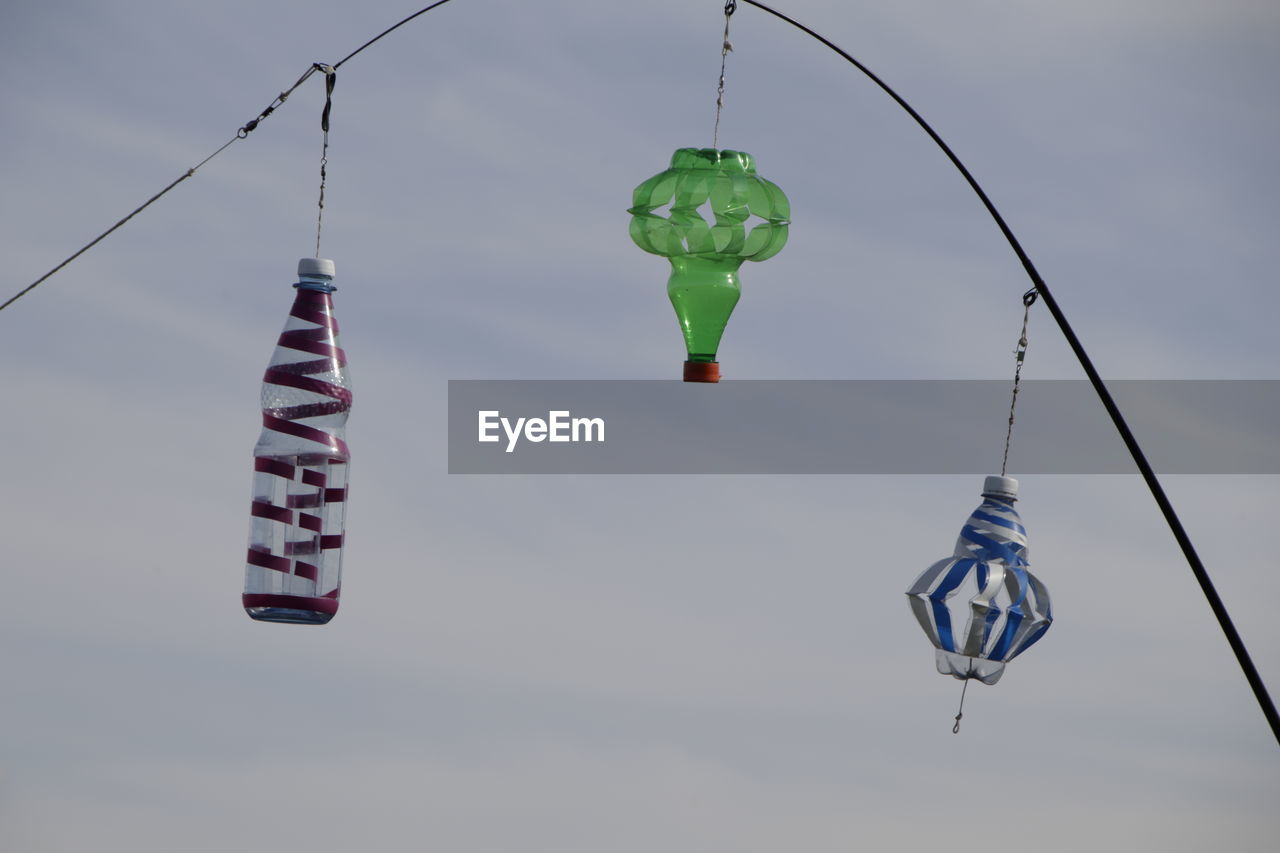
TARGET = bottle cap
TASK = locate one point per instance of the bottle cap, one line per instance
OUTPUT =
(315, 266)
(702, 371)
(1005, 488)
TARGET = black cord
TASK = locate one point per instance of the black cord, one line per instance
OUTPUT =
(330, 78)
(1144, 467)
(955, 730)
(388, 31)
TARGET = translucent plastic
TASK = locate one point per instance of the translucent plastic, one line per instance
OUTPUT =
(708, 213)
(294, 565)
(964, 667)
(704, 293)
(982, 606)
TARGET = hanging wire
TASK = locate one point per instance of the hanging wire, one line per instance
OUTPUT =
(244, 131)
(330, 77)
(725, 49)
(955, 730)
(1020, 354)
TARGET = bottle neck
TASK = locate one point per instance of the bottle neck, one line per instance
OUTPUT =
(323, 284)
(701, 265)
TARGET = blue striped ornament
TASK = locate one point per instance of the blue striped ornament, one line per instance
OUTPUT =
(982, 606)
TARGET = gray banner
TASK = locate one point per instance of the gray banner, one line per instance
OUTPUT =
(857, 427)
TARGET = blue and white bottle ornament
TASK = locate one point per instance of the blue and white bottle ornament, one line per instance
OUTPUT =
(982, 606)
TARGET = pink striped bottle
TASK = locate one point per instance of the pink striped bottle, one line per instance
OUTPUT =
(294, 567)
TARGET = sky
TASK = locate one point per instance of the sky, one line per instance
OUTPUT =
(619, 663)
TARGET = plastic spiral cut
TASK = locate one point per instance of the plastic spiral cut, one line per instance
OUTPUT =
(707, 214)
(982, 607)
(321, 338)
(300, 470)
(715, 206)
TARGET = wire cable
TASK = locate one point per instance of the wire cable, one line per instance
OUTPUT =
(955, 730)
(243, 132)
(96, 240)
(245, 129)
(330, 78)
(725, 50)
(1020, 357)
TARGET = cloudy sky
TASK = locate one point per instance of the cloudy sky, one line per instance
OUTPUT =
(619, 663)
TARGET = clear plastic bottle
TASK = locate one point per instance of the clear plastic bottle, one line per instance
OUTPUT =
(294, 566)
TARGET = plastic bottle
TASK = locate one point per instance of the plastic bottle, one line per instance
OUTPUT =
(294, 566)
(982, 606)
(708, 213)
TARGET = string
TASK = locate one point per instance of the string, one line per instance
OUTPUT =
(1020, 354)
(244, 131)
(330, 77)
(955, 730)
(725, 49)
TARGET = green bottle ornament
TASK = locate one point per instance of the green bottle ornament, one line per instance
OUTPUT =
(718, 213)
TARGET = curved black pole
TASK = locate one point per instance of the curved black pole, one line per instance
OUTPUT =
(1139, 458)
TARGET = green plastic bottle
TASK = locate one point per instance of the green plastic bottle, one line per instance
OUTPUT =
(718, 213)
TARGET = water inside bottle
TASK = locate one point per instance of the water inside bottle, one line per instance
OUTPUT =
(294, 566)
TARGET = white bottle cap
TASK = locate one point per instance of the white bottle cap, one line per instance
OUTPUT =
(315, 266)
(1005, 488)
